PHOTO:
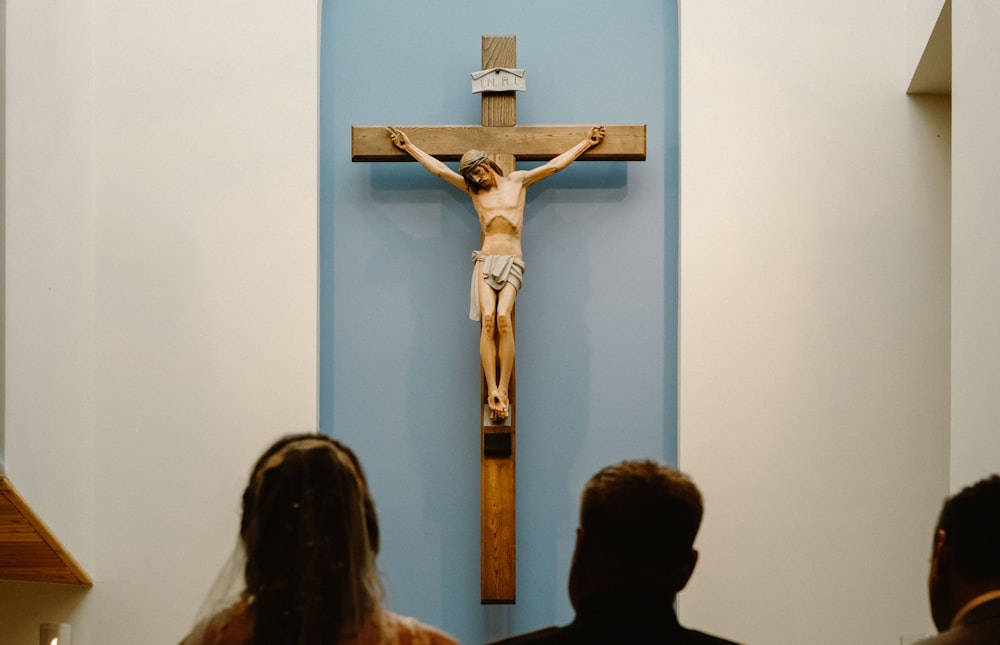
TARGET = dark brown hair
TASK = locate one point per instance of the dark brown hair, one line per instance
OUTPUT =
(971, 521)
(311, 533)
(640, 515)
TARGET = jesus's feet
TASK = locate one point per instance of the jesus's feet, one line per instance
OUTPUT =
(498, 405)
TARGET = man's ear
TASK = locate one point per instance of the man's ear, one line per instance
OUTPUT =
(941, 584)
(938, 553)
(685, 569)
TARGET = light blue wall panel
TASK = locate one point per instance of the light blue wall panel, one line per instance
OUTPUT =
(596, 318)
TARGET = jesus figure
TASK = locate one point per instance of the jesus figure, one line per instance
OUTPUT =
(498, 266)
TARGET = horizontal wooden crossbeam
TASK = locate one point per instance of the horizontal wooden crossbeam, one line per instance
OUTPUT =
(526, 142)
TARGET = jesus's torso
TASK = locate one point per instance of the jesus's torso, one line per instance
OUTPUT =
(501, 216)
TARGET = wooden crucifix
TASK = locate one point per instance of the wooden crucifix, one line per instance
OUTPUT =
(497, 190)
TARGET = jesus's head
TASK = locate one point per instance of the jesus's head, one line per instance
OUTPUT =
(475, 167)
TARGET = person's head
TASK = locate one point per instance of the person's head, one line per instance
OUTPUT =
(475, 167)
(311, 534)
(965, 561)
(638, 521)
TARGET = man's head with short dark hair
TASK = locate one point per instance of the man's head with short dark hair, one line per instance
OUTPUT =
(638, 522)
(966, 556)
(971, 520)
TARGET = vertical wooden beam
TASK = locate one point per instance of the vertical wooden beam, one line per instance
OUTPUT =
(497, 553)
(497, 579)
(499, 108)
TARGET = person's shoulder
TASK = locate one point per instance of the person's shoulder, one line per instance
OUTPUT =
(701, 638)
(516, 175)
(410, 630)
(570, 634)
(437, 637)
(232, 625)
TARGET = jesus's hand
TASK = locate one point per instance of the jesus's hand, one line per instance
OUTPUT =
(399, 138)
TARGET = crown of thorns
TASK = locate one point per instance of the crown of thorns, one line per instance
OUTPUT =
(470, 160)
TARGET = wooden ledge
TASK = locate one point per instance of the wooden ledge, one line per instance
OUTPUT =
(29, 552)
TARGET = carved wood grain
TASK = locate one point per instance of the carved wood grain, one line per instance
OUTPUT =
(29, 551)
(526, 142)
(499, 108)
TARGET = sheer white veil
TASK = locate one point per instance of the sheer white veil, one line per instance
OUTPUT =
(229, 585)
(306, 548)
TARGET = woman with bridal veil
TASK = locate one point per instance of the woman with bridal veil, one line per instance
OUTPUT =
(303, 572)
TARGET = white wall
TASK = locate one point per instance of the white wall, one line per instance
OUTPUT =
(161, 276)
(161, 298)
(3, 211)
(49, 283)
(814, 324)
(975, 414)
(50, 267)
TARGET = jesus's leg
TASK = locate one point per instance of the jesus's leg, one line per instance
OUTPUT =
(488, 347)
(505, 345)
